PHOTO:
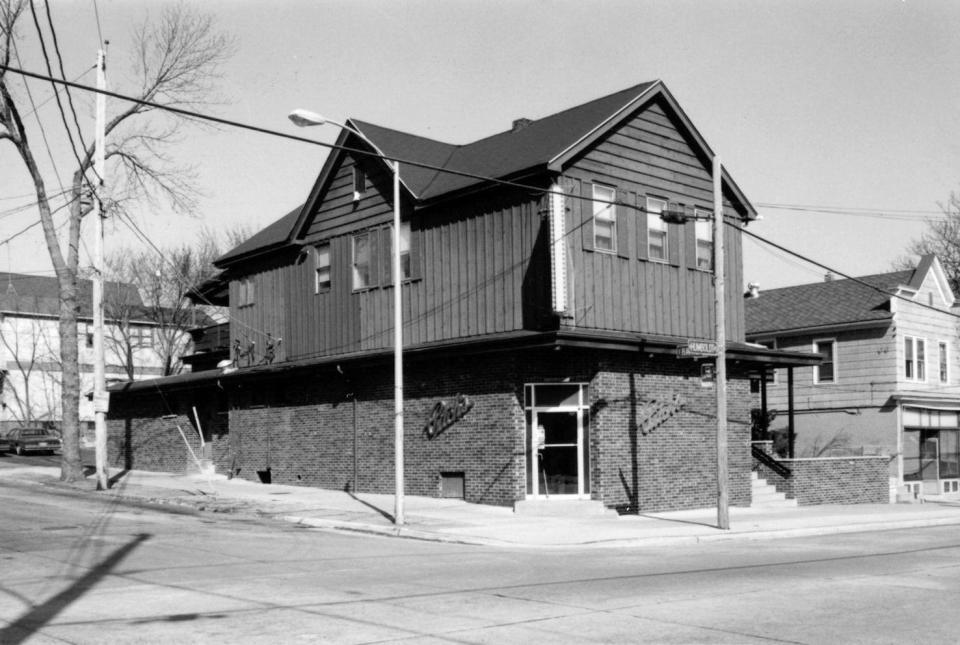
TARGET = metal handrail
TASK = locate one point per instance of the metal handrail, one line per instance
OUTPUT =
(770, 462)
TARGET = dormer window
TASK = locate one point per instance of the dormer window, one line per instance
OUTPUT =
(359, 183)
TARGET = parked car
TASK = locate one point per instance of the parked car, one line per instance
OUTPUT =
(4, 444)
(24, 440)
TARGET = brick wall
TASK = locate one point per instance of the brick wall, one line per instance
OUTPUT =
(650, 460)
(645, 454)
(834, 480)
(304, 430)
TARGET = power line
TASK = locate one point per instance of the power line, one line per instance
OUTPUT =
(63, 74)
(846, 209)
(96, 12)
(842, 274)
(53, 80)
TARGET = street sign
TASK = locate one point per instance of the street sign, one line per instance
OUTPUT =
(696, 348)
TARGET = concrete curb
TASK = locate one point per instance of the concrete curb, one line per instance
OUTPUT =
(656, 540)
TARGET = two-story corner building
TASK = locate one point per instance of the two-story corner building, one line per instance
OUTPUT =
(544, 301)
(30, 347)
(889, 381)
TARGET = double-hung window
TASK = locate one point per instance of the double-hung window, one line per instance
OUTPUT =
(321, 267)
(362, 274)
(656, 230)
(604, 218)
(944, 362)
(359, 183)
(914, 358)
(404, 251)
(704, 230)
(245, 295)
(826, 371)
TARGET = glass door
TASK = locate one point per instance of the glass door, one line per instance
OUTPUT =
(558, 470)
(557, 440)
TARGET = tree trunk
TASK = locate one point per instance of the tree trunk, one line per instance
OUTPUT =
(70, 467)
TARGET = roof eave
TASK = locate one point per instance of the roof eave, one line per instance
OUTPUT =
(820, 329)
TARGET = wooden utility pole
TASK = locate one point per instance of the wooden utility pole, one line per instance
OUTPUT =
(100, 401)
(723, 512)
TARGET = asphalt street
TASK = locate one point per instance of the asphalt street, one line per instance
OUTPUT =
(78, 570)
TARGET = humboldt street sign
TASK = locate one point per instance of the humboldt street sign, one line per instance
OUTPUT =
(695, 348)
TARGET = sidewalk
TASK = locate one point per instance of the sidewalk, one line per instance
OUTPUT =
(456, 521)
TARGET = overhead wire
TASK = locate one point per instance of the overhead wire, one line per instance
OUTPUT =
(414, 163)
(53, 80)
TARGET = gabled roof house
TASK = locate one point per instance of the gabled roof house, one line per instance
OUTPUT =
(889, 381)
(544, 299)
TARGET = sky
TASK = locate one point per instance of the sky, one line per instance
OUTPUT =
(847, 107)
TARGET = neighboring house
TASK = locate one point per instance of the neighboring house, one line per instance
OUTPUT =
(30, 347)
(889, 382)
(541, 322)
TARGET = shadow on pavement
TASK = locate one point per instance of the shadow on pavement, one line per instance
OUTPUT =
(33, 621)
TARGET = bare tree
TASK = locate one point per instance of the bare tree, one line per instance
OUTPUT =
(177, 63)
(163, 280)
(29, 389)
(942, 237)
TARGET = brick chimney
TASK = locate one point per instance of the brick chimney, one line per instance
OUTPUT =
(520, 124)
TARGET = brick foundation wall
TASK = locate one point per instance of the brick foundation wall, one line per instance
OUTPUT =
(306, 433)
(643, 454)
(650, 460)
(143, 434)
(834, 480)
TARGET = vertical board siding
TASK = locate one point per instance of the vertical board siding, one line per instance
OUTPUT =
(477, 269)
(267, 314)
(648, 155)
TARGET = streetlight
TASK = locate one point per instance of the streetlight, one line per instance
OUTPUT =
(306, 118)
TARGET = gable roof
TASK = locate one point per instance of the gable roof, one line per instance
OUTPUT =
(40, 295)
(549, 143)
(825, 304)
(266, 239)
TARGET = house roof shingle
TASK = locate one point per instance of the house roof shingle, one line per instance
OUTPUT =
(40, 295)
(821, 304)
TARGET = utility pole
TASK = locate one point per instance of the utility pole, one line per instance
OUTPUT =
(100, 401)
(723, 512)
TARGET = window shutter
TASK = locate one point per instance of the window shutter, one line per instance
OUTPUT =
(674, 242)
(586, 214)
(625, 219)
(690, 244)
(642, 240)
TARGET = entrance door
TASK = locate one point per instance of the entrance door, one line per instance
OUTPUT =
(558, 459)
(558, 470)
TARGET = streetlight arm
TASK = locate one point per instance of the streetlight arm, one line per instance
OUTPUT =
(306, 118)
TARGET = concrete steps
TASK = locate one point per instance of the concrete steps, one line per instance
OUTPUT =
(764, 495)
(562, 508)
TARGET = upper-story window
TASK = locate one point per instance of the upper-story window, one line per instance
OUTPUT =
(944, 362)
(826, 371)
(141, 336)
(362, 269)
(321, 267)
(656, 230)
(704, 230)
(87, 334)
(404, 251)
(604, 218)
(245, 293)
(359, 182)
(914, 358)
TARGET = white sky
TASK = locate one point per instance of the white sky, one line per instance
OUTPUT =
(840, 104)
